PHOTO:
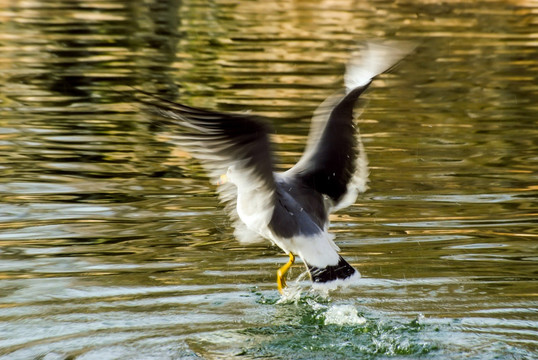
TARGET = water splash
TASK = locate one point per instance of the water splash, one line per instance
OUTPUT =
(303, 288)
(315, 327)
(292, 292)
(343, 315)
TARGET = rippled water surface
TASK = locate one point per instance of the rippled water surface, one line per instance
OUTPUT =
(113, 244)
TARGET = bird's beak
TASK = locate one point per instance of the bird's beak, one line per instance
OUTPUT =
(223, 179)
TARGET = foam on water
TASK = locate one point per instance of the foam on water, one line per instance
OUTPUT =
(343, 315)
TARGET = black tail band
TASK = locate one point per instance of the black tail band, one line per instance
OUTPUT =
(341, 271)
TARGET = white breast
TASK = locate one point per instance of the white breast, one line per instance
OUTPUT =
(255, 209)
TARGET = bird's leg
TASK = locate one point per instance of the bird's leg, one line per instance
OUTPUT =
(281, 282)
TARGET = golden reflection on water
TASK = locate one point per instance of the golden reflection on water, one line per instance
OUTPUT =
(104, 226)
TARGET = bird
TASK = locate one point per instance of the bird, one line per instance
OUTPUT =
(290, 208)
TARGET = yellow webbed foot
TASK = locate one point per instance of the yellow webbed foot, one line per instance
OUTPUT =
(281, 282)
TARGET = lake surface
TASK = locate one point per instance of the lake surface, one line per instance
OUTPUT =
(113, 244)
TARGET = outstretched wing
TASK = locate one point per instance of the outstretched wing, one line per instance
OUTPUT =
(335, 163)
(220, 141)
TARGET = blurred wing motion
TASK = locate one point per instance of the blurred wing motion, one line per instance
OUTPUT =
(334, 162)
(221, 141)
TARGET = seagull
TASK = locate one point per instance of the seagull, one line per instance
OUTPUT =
(290, 208)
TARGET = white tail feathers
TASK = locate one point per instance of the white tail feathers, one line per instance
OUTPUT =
(374, 59)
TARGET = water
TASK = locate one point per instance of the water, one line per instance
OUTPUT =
(113, 245)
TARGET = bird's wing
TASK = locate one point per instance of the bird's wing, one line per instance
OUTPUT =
(334, 162)
(219, 141)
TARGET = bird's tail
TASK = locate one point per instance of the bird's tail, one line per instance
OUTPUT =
(333, 276)
(374, 59)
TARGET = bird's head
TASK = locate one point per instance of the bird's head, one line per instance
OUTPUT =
(229, 177)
